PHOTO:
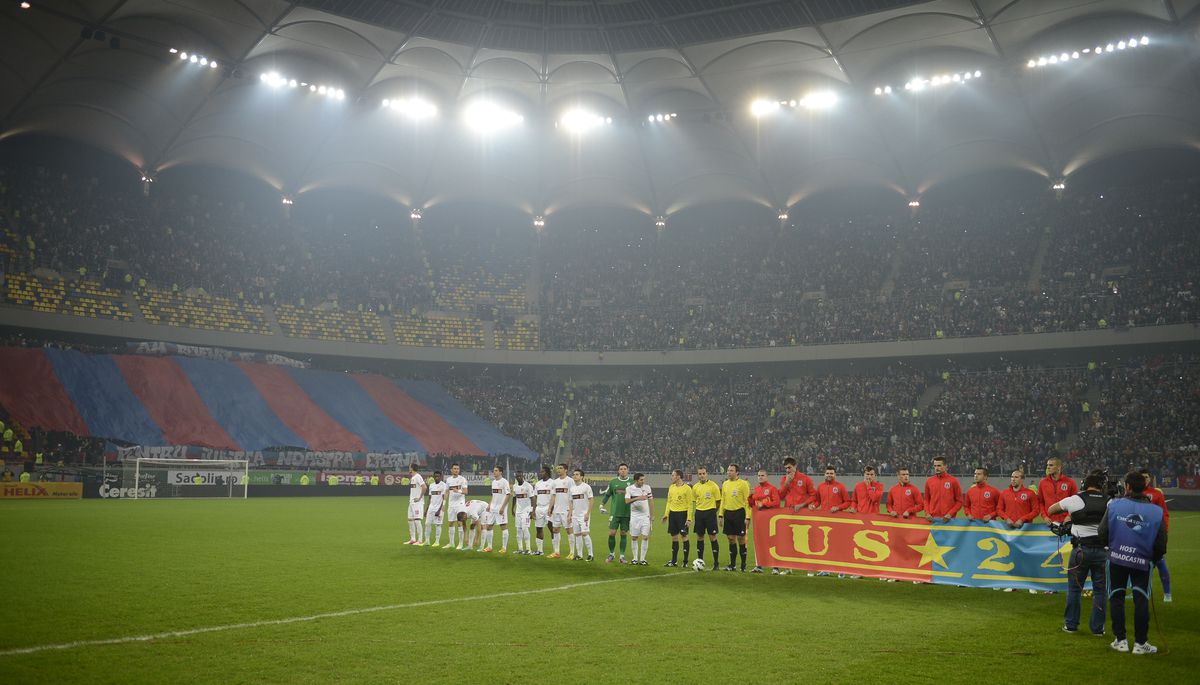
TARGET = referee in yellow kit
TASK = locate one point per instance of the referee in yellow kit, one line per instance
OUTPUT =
(678, 515)
(708, 498)
(735, 515)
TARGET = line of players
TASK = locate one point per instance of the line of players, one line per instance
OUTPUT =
(563, 503)
(559, 502)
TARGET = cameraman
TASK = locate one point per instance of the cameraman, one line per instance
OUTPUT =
(1086, 511)
(1136, 539)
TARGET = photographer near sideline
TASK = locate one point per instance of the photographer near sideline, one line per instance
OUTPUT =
(1136, 539)
(1088, 556)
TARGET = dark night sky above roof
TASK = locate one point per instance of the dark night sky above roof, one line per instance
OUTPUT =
(574, 26)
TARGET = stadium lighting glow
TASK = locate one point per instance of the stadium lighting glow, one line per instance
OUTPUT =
(660, 222)
(288, 201)
(204, 61)
(193, 59)
(413, 108)
(783, 215)
(761, 108)
(488, 117)
(415, 215)
(212, 64)
(25, 5)
(914, 203)
(821, 99)
(580, 121)
(539, 222)
(664, 116)
(1059, 186)
(1066, 56)
(173, 50)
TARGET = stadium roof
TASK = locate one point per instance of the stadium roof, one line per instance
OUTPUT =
(703, 60)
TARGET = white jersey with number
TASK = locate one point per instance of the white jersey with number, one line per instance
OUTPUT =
(544, 489)
(639, 508)
(500, 490)
(457, 499)
(437, 491)
(562, 495)
(581, 499)
(523, 494)
(475, 509)
(415, 483)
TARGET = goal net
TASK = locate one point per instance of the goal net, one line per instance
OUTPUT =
(148, 478)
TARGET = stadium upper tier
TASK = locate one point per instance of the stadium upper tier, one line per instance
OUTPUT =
(654, 105)
(1123, 258)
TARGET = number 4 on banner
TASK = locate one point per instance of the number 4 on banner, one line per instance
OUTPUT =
(1060, 559)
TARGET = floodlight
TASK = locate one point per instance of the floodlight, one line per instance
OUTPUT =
(413, 108)
(761, 107)
(914, 203)
(878, 90)
(1075, 55)
(1145, 40)
(1108, 48)
(173, 51)
(821, 99)
(660, 222)
(579, 121)
(978, 73)
(193, 59)
(887, 89)
(488, 117)
(204, 61)
(212, 64)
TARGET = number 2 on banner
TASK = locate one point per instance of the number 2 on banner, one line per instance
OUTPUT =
(1002, 551)
(1060, 559)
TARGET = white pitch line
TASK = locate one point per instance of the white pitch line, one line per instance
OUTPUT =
(314, 617)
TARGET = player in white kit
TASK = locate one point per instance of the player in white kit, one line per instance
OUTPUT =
(471, 518)
(641, 510)
(581, 515)
(457, 487)
(557, 517)
(544, 490)
(416, 506)
(497, 513)
(436, 515)
(522, 497)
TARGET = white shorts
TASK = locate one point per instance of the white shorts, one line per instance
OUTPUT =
(639, 526)
(558, 519)
(499, 518)
(522, 519)
(436, 519)
(539, 516)
(416, 510)
(579, 525)
(454, 508)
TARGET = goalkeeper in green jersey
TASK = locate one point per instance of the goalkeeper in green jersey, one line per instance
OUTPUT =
(619, 518)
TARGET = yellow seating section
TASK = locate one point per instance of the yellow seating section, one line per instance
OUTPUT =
(438, 332)
(519, 335)
(330, 324)
(84, 298)
(201, 311)
(460, 289)
(10, 242)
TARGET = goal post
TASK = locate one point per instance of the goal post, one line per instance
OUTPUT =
(150, 478)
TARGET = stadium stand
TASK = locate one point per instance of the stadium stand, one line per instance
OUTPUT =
(82, 298)
(201, 310)
(516, 335)
(330, 324)
(438, 331)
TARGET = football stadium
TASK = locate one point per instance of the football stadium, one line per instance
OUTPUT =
(683, 341)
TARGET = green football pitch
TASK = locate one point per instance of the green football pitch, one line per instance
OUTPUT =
(321, 589)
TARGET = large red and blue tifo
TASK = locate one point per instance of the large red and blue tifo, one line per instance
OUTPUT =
(238, 405)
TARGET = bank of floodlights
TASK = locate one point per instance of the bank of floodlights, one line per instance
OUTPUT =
(1064, 57)
(193, 58)
(275, 80)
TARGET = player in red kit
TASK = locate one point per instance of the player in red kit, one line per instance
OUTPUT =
(943, 493)
(796, 490)
(1156, 497)
(1018, 504)
(765, 496)
(981, 498)
(831, 494)
(867, 494)
(1054, 487)
(904, 499)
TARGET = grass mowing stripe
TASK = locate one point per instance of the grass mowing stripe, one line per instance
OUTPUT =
(314, 617)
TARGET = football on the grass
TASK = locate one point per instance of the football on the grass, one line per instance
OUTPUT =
(698, 565)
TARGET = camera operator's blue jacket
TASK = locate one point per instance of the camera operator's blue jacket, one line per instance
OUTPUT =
(1133, 528)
